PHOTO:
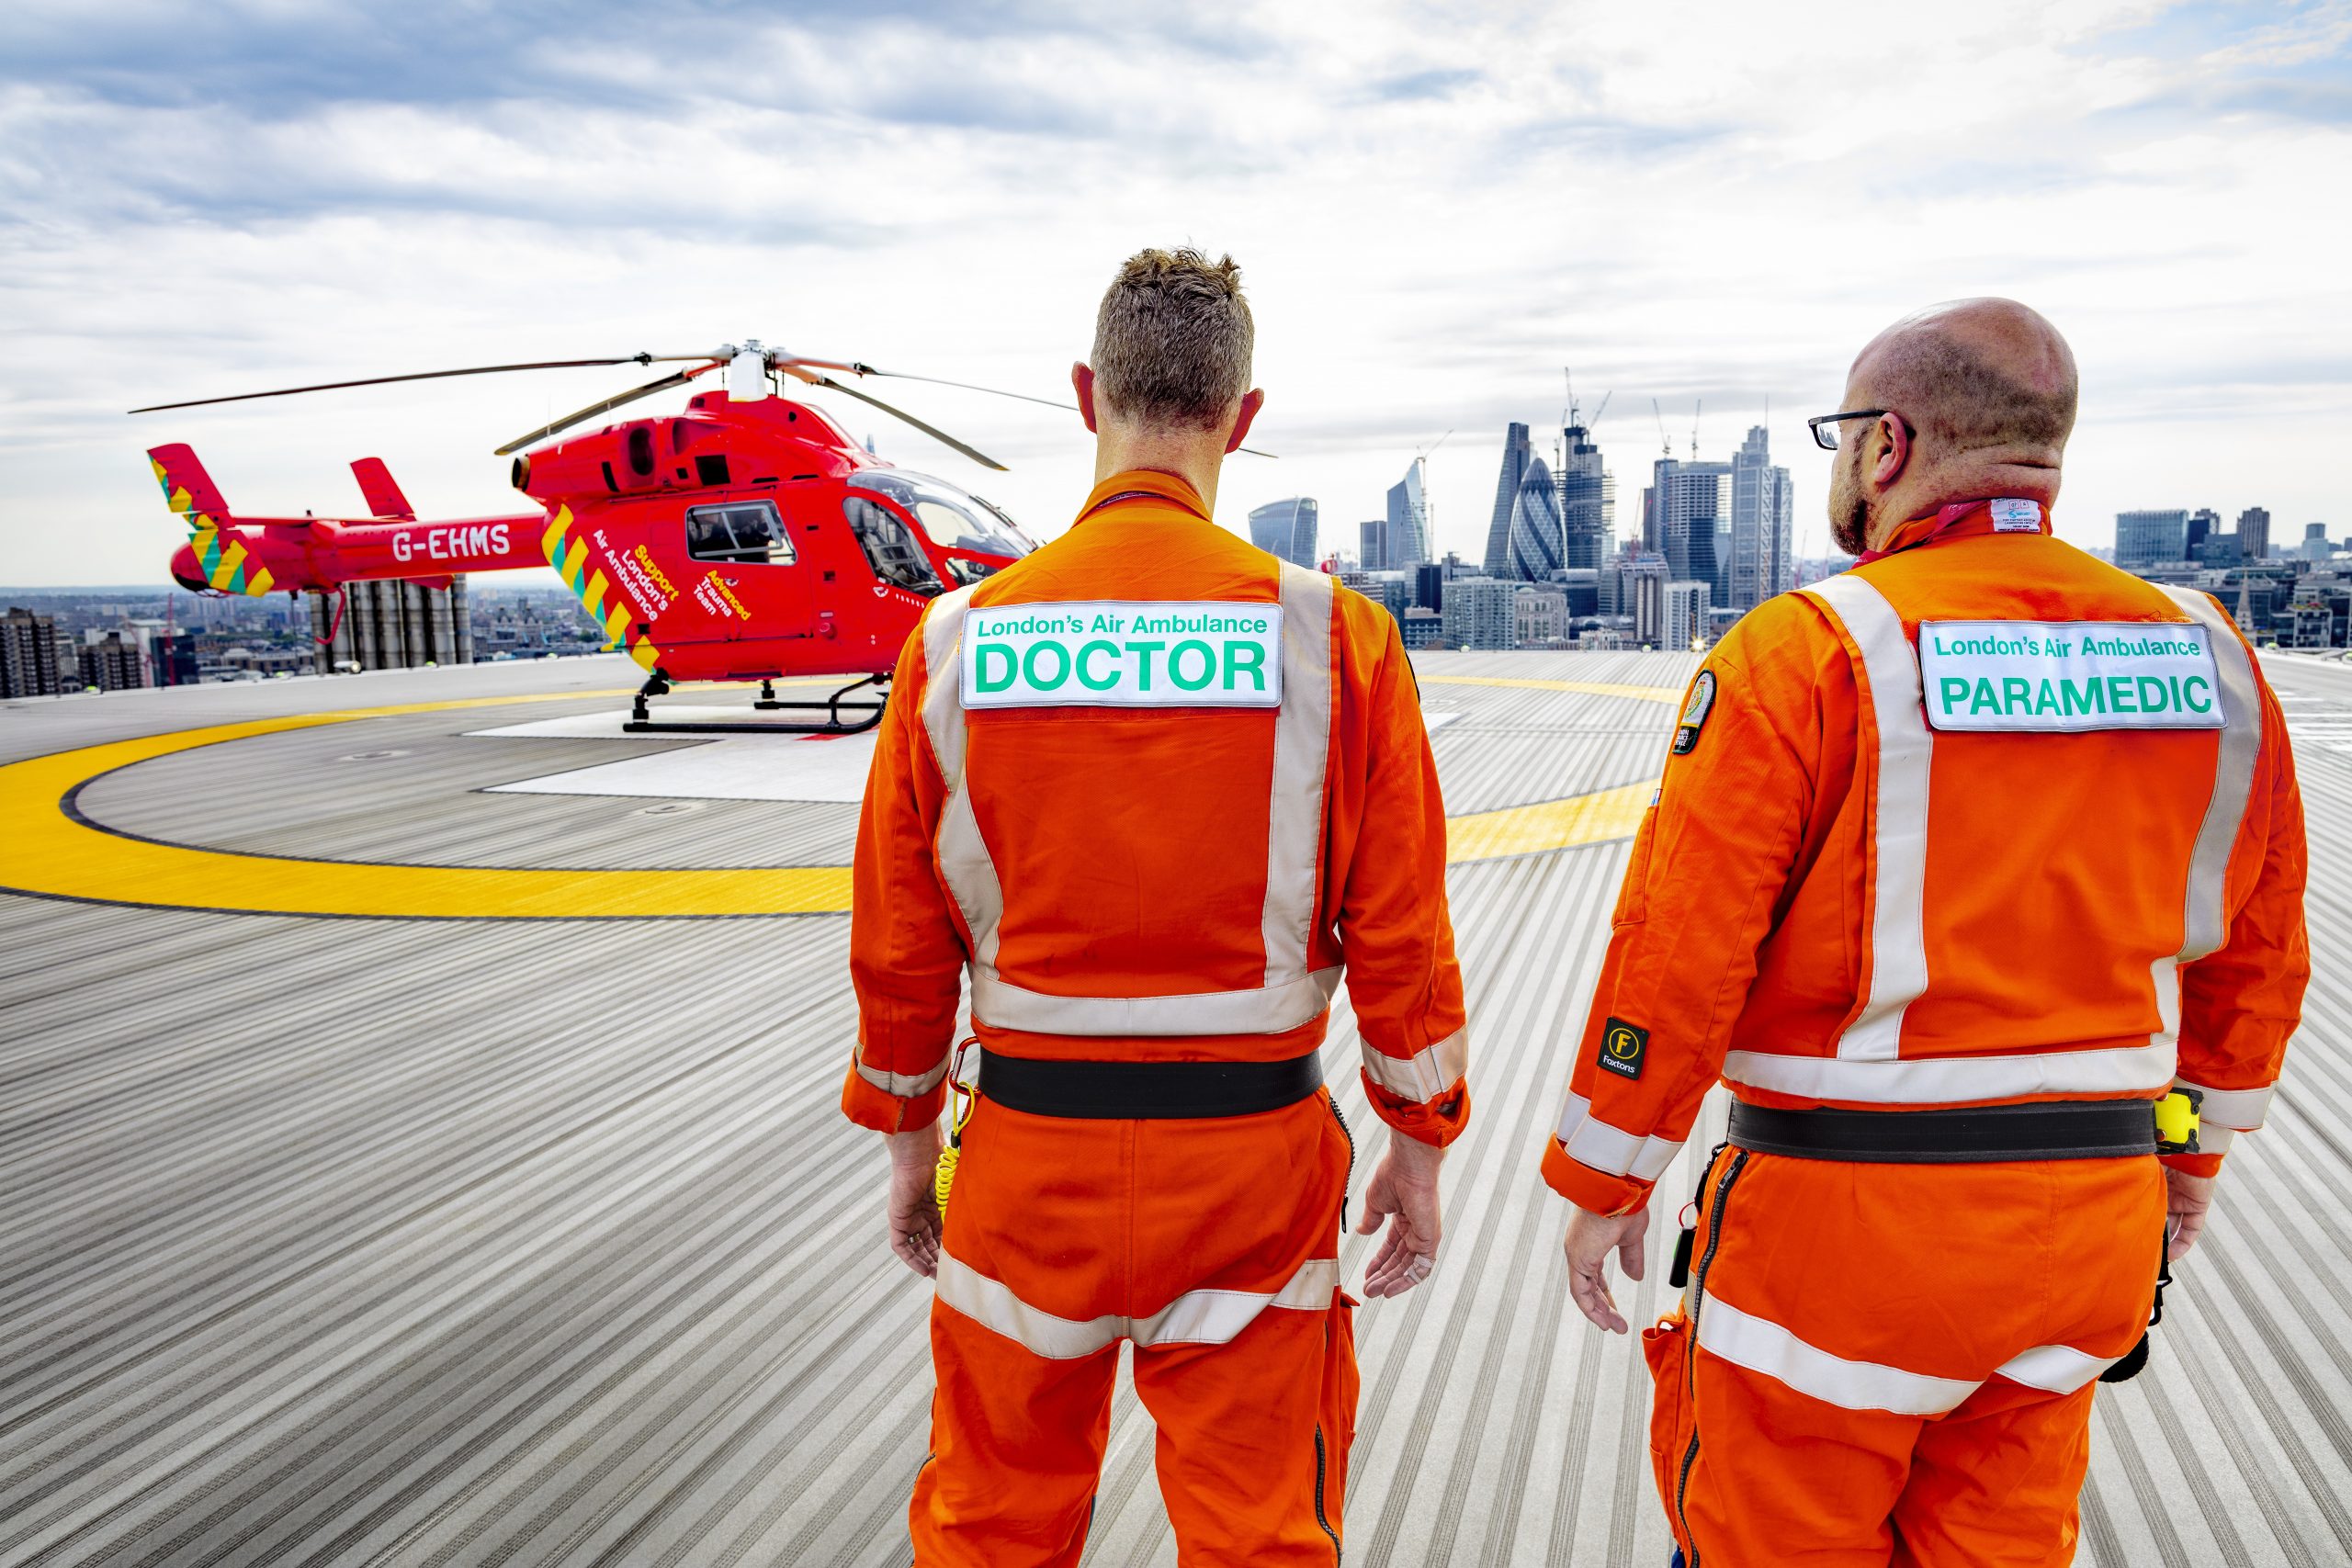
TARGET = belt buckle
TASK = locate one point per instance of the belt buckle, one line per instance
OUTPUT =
(2180, 1115)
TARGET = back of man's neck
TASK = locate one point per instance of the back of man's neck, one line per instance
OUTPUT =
(1197, 464)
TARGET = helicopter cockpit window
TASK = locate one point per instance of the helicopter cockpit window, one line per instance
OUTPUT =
(889, 548)
(746, 531)
(953, 519)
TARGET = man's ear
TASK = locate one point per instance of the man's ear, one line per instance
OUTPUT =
(1251, 402)
(1082, 382)
(1894, 454)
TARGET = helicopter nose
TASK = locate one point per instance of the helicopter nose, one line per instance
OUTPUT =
(185, 572)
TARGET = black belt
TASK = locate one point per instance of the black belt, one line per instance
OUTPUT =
(2063, 1129)
(1147, 1090)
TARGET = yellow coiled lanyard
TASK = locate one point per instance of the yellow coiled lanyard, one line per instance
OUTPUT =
(943, 1178)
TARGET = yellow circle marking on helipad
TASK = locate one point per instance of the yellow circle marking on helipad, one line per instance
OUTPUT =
(54, 852)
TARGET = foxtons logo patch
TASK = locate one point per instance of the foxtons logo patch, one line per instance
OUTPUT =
(1622, 1046)
(2068, 677)
(1109, 654)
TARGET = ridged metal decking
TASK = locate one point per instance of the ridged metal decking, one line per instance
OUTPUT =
(403, 1242)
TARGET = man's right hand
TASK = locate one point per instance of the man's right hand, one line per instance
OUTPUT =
(1591, 1238)
(914, 1209)
(2187, 1199)
(1403, 1190)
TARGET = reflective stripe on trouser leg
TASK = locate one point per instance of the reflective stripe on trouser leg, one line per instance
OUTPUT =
(1762, 1346)
(1898, 879)
(1196, 1317)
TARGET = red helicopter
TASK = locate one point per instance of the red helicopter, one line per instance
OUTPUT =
(747, 538)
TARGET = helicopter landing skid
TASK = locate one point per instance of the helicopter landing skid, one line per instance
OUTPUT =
(840, 717)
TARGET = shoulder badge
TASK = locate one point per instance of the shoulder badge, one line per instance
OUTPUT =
(1695, 710)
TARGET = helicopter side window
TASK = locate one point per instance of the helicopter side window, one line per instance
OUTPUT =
(889, 548)
(747, 532)
(953, 518)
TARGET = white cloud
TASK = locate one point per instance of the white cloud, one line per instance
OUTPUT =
(1688, 201)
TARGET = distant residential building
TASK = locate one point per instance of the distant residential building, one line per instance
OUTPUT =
(1406, 536)
(1479, 613)
(1517, 454)
(1614, 589)
(173, 657)
(2218, 550)
(28, 665)
(1429, 585)
(2254, 533)
(2203, 523)
(1422, 628)
(1287, 528)
(1539, 616)
(1387, 589)
(2315, 543)
(111, 662)
(2143, 538)
(1763, 521)
(1581, 587)
(1687, 614)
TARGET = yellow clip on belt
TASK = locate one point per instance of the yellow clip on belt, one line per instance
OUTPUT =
(2177, 1119)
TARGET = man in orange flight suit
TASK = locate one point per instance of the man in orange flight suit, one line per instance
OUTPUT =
(1152, 788)
(1961, 861)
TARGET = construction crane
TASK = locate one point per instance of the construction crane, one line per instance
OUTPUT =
(1696, 404)
(1665, 442)
(1421, 454)
(1595, 422)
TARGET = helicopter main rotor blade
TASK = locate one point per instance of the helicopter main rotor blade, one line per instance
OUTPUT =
(967, 385)
(677, 378)
(864, 369)
(931, 430)
(420, 376)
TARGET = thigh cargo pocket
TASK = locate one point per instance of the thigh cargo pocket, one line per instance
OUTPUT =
(1674, 1437)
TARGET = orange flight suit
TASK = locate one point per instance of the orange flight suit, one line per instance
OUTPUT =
(1836, 902)
(1131, 873)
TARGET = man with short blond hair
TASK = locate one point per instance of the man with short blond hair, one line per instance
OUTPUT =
(1152, 790)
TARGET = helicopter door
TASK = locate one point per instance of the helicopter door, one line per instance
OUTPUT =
(748, 577)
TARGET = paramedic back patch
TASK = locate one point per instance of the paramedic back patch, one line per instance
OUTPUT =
(2068, 677)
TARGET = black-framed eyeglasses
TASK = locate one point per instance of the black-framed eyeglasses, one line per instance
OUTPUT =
(1824, 426)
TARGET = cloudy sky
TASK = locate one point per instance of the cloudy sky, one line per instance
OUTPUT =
(1437, 208)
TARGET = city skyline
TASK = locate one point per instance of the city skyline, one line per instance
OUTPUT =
(222, 199)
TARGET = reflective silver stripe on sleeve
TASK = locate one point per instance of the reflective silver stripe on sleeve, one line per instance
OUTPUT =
(901, 1083)
(1271, 1011)
(2240, 1109)
(1612, 1150)
(2059, 1369)
(1956, 1081)
(1196, 1317)
(2215, 1140)
(2206, 920)
(1898, 816)
(1301, 754)
(963, 853)
(1424, 1074)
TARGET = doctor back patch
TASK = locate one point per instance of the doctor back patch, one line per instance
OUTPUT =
(1695, 709)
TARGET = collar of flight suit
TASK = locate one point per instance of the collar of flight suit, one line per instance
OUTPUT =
(1143, 484)
(1957, 521)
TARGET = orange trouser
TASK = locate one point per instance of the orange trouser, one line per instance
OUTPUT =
(1210, 1244)
(1895, 1363)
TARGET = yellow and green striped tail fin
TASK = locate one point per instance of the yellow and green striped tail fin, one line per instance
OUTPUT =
(219, 548)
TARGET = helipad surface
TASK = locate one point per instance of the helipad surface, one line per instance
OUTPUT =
(412, 1154)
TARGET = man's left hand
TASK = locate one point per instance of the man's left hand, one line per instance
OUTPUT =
(914, 1211)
